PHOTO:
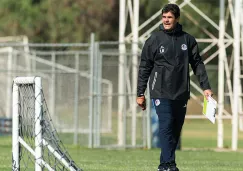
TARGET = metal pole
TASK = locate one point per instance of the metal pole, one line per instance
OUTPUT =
(109, 106)
(27, 52)
(38, 127)
(144, 136)
(221, 74)
(134, 68)
(91, 85)
(121, 72)
(148, 113)
(76, 100)
(124, 114)
(99, 90)
(95, 96)
(241, 98)
(236, 79)
(33, 69)
(9, 82)
(15, 127)
(53, 90)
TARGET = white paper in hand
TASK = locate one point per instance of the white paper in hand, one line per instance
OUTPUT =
(209, 108)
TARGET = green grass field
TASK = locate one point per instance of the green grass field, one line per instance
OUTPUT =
(198, 153)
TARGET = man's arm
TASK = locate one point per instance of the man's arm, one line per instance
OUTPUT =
(199, 70)
(145, 68)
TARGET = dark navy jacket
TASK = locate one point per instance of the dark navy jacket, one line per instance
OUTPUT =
(165, 58)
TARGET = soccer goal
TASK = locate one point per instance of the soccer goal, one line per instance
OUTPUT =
(35, 142)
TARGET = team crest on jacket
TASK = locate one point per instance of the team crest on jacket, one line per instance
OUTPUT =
(157, 102)
(184, 47)
(161, 49)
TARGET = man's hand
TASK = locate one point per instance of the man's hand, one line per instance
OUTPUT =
(141, 101)
(207, 93)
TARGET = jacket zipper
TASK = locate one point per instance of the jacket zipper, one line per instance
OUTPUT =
(174, 49)
(173, 41)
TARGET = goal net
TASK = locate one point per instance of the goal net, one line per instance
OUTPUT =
(35, 142)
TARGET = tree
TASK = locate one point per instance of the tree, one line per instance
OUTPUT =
(57, 21)
(53, 21)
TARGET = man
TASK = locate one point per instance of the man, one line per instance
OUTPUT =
(165, 58)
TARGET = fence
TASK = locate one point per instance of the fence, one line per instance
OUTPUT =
(80, 83)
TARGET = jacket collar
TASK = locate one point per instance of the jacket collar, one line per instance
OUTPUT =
(177, 29)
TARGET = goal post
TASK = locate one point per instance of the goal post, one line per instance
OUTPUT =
(15, 128)
(35, 142)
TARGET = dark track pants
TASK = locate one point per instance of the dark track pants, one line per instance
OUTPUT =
(171, 115)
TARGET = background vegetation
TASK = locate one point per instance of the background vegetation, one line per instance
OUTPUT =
(53, 21)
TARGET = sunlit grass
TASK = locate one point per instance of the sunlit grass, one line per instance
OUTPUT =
(199, 140)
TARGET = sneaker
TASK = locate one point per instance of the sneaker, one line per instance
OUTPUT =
(172, 168)
(162, 167)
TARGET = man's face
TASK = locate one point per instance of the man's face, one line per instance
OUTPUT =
(169, 21)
